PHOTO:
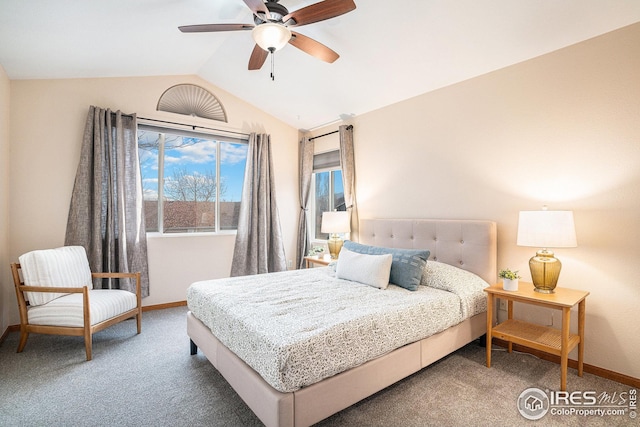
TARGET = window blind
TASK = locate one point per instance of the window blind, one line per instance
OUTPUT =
(326, 161)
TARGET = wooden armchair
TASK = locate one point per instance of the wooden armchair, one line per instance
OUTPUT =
(57, 296)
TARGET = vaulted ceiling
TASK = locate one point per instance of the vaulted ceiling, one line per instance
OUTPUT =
(389, 50)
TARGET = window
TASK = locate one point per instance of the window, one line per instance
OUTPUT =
(197, 176)
(329, 196)
(327, 187)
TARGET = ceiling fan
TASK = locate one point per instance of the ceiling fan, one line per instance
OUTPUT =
(271, 30)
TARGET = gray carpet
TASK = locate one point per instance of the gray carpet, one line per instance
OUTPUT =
(151, 380)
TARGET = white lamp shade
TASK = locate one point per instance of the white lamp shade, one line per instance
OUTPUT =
(271, 36)
(336, 222)
(547, 229)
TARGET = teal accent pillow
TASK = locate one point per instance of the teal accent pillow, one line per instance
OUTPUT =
(407, 265)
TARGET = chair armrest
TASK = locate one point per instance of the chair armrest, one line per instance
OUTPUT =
(118, 275)
(115, 275)
(53, 289)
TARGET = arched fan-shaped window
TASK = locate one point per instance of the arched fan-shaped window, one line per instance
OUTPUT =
(191, 100)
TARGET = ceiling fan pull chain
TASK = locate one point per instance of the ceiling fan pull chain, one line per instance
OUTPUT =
(273, 77)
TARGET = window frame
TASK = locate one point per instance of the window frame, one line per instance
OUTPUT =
(312, 195)
(218, 137)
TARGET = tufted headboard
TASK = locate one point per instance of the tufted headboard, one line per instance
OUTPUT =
(467, 244)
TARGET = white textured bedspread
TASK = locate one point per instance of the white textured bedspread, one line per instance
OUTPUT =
(298, 327)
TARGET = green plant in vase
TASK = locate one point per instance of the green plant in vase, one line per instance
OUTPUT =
(509, 279)
(316, 251)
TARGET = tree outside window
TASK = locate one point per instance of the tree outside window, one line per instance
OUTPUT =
(198, 179)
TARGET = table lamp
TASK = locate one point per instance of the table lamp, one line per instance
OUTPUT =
(333, 223)
(546, 229)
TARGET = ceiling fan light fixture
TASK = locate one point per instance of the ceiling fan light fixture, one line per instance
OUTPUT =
(271, 36)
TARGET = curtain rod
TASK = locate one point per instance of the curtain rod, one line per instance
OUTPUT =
(194, 126)
(324, 134)
(329, 133)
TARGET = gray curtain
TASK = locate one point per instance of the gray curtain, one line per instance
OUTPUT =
(305, 170)
(348, 166)
(259, 244)
(106, 212)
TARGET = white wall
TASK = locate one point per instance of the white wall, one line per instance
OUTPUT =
(6, 284)
(47, 123)
(561, 130)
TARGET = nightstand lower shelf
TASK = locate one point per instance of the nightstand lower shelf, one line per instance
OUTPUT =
(538, 337)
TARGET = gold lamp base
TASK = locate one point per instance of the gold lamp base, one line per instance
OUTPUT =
(335, 245)
(545, 270)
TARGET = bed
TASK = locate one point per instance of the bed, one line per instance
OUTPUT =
(302, 392)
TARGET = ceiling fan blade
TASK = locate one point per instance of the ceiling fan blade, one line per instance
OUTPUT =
(312, 47)
(257, 7)
(211, 28)
(258, 56)
(319, 12)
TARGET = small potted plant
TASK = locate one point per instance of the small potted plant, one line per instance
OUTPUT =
(316, 251)
(509, 279)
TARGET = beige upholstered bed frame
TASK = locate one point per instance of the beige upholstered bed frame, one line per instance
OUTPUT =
(467, 244)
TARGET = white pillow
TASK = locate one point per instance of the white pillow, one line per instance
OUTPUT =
(372, 270)
(62, 267)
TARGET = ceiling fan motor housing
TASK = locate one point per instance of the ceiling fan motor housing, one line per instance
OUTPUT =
(276, 13)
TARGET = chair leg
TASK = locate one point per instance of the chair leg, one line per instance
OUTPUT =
(88, 344)
(23, 341)
(139, 321)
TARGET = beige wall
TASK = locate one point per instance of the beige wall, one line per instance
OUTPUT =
(6, 285)
(561, 130)
(47, 123)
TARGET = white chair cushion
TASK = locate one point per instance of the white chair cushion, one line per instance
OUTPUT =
(67, 310)
(63, 267)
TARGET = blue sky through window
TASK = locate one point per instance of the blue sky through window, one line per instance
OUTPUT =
(193, 156)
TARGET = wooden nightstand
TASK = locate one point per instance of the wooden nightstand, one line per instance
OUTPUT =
(543, 338)
(316, 260)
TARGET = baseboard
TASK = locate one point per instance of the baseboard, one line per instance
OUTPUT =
(595, 370)
(165, 305)
(10, 328)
